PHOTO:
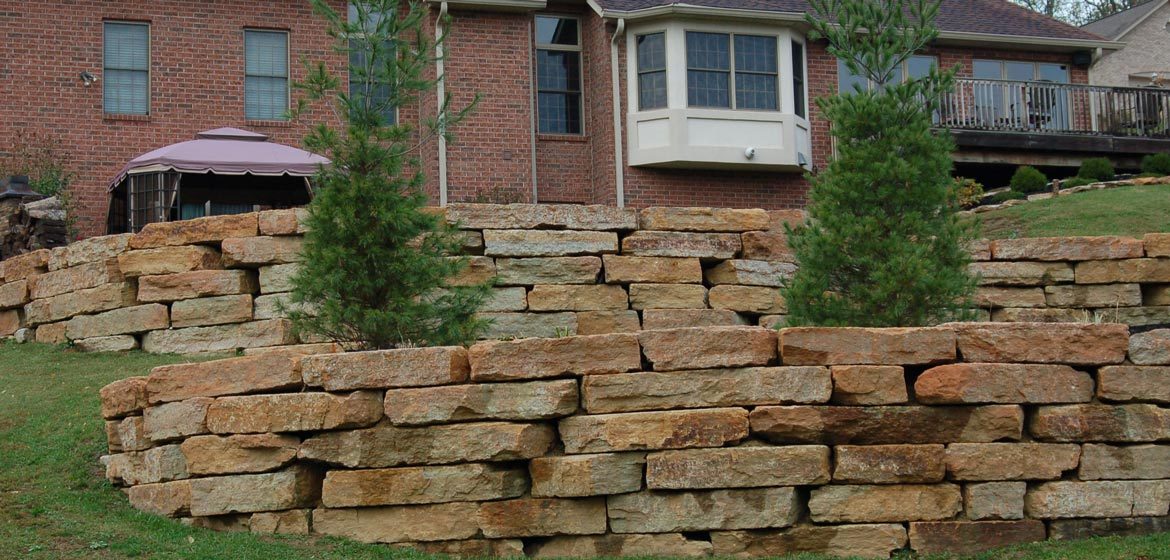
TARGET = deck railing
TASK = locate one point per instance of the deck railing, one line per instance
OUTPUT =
(1052, 108)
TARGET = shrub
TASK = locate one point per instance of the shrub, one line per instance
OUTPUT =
(1098, 169)
(883, 245)
(1001, 197)
(374, 271)
(1028, 180)
(968, 192)
(1156, 164)
(1075, 182)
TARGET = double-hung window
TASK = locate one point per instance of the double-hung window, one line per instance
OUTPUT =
(732, 71)
(651, 71)
(558, 75)
(126, 68)
(265, 75)
(370, 83)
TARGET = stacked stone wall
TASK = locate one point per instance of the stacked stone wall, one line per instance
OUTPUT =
(213, 284)
(728, 441)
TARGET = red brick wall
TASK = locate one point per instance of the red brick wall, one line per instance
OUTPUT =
(197, 83)
(197, 79)
(489, 54)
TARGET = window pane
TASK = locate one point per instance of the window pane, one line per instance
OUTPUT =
(707, 89)
(755, 91)
(988, 70)
(559, 113)
(126, 69)
(127, 46)
(265, 98)
(372, 18)
(266, 53)
(265, 75)
(708, 51)
(125, 92)
(847, 81)
(556, 31)
(755, 54)
(919, 66)
(1053, 72)
(652, 90)
(798, 78)
(652, 52)
(362, 87)
(651, 71)
(558, 70)
(1021, 71)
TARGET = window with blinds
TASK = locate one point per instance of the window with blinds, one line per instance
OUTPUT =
(265, 75)
(126, 68)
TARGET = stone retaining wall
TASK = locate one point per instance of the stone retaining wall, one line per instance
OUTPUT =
(732, 441)
(212, 284)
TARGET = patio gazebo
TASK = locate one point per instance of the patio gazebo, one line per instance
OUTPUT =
(222, 171)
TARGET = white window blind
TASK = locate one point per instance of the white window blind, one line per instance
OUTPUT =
(265, 75)
(126, 68)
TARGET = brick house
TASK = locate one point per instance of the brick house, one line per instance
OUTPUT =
(1145, 60)
(713, 97)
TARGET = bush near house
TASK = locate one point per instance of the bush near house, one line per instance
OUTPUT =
(1156, 164)
(1076, 182)
(968, 192)
(1097, 169)
(1029, 180)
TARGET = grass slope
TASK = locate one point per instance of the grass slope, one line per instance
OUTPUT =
(55, 503)
(1120, 211)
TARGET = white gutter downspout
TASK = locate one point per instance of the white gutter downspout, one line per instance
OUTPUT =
(441, 93)
(618, 164)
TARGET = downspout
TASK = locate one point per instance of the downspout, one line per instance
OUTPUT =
(618, 164)
(533, 107)
(441, 93)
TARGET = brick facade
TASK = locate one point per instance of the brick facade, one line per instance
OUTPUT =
(196, 83)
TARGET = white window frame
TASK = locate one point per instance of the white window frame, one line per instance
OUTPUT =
(149, 65)
(580, 69)
(287, 71)
(780, 51)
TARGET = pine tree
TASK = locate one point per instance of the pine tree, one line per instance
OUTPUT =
(376, 271)
(883, 245)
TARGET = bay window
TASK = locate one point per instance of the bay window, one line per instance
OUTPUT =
(706, 94)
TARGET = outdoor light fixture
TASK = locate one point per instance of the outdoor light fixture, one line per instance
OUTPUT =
(87, 79)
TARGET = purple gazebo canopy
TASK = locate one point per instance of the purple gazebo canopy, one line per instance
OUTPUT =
(228, 151)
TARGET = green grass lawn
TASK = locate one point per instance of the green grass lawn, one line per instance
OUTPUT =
(1120, 211)
(55, 503)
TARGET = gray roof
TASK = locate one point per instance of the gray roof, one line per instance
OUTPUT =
(992, 17)
(1114, 26)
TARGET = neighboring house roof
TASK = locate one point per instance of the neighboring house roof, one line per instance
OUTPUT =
(956, 17)
(1116, 26)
